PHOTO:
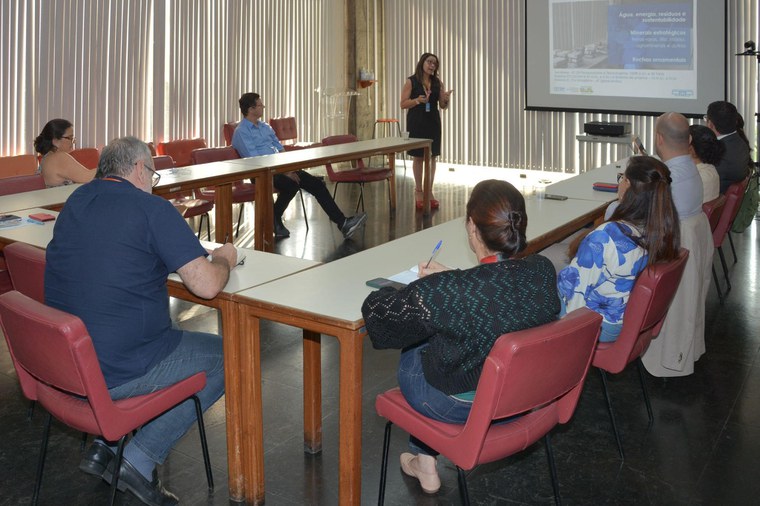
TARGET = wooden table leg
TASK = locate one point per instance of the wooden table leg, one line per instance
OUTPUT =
(350, 418)
(252, 420)
(263, 231)
(427, 183)
(223, 212)
(312, 392)
(392, 180)
(232, 367)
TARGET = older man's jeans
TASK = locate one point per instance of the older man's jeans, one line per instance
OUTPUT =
(196, 352)
(426, 399)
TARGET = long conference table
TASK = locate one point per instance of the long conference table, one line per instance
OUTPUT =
(291, 291)
(261, 169)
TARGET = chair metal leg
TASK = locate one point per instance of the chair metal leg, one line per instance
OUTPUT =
(41, 461)
(335, 189)
(117, 468)
(731, 242)
(361, 198)
(462, 480)
(612, 415)
(644, 390)
(204, 443)
(384, 464)
(83, 444)
(30, 411)
(303, 206)
(717, 286)
(553, 468)
(725, 269)
(240, 219)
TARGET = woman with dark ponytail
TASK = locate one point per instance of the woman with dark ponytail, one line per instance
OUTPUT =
(643, 230)
(446, 322)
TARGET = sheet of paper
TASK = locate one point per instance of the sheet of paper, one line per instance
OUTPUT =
(406, 276)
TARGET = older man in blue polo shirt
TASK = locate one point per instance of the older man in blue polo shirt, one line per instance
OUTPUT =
(254, 137)
(114, 245)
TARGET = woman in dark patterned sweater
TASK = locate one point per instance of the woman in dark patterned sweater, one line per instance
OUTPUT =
(446, 322)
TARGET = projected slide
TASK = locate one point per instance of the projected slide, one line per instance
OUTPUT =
(646, 49)
(624, 55)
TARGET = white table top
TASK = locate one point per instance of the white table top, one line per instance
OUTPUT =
(35, 234)
(344, 280)
(259, 268)
(314, 156)
(581, 186)
(37, 198)
(206, 174)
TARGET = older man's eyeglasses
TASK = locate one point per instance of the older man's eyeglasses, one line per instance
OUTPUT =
(155, 176)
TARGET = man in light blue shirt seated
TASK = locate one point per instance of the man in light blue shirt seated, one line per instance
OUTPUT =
(672, 141)
(671, 136)
(254, 137)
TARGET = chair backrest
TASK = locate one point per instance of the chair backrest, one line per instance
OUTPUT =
(208, 155)
(645, 312)
(163, 162)
(26, 265)
(342, 139)
(533, 367)
(88, 157)
(228, 130)
(285, 129)
(19, 165)
(714, 209)
(53, 350)
(734, 196)
(20, 184)
(180, 150)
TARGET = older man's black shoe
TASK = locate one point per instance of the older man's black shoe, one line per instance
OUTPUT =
(96, 459)
(152, 492)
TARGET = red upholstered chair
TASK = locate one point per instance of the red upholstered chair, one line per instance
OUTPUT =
(714, 210)
(19, 165)
(734, 195)
(537, 373)
(26, 265)
(286, 131)
(54, 355)
(242, 192)
(359, 174)
(20, 184)
(228, 130)
(186, 202)
(26, 269)
(88, 157)
(645, 312)
(180, 150)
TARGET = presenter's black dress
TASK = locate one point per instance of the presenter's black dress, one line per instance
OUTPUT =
(422, 124)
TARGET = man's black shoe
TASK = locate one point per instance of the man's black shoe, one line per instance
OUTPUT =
(280, 232)
(152, 493)
(96, 459)
(352, 224)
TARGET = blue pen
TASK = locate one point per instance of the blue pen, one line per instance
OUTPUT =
(34, 222)
(435, 250)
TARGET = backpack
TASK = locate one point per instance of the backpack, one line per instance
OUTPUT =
(748, 207)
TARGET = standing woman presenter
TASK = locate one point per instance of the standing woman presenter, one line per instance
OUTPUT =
(423, 93)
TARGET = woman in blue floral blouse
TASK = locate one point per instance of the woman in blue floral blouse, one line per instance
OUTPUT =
(642, 231)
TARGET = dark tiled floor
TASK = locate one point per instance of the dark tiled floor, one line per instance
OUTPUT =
(704, 447)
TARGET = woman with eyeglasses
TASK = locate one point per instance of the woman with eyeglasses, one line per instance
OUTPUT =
(57, 166)
(643, 230)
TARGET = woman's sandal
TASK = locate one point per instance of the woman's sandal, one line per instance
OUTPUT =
(418, 199)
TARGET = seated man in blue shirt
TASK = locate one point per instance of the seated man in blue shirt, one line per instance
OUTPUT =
(254, 137)
(114, 245)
